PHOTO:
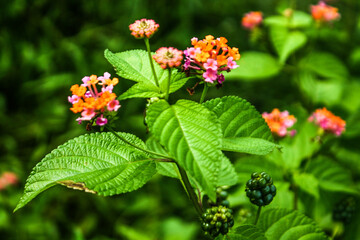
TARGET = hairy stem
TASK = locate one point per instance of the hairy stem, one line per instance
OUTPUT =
(168, 85)
(257, 215)
(206, 87)
(190, 190)
(151, 60)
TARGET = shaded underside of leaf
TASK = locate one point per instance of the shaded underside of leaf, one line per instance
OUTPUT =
(98, 163)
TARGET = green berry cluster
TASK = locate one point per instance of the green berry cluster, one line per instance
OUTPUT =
(344, 210)
(217, 220)
(260, 189)
(221, 198)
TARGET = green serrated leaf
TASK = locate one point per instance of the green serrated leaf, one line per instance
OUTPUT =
(254, 66)
(167, 169)
(135, 65)
(328, 92)
(141, 90)
(302, 147)
(227, 175)
(191, 134)
(308, 183)
(247, 232)
(286, 42)
(332, 176)
(178, 79)
(325, 65)
(249, 145)
(98, 163)
(239, 118)
(286, 224)
(297, 20)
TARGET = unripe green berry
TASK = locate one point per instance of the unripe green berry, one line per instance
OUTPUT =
(255, 175)
(260, 189)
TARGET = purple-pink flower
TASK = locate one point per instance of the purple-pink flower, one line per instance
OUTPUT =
(209, 57)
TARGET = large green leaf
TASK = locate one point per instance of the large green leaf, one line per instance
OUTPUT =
(327, 92)
(239, 118)
(192, 135)
(167, 169)
(298, 19)
(303, 146)
(286, 42)
(227, 174)
(332, 176)
(254, 66)
(141, 90)
(308, 183)
(135, 65)
(286, 224)
(98, 163)
(247, 232)
(249, 145)
(324, 64)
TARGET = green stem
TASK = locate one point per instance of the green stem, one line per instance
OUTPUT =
(133, 145)
(190, 190)
(257, 215)
(168, 85)
(151, 60)
(206, 87)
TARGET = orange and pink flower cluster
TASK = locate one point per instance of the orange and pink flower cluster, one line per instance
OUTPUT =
(324, 13)
(211, 56)
(143, 28)
(252, 19)
(168, 57)
(7, 179)
(92, 103)
(279, 122)
(328, 121)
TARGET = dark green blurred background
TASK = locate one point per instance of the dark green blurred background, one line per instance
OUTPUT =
(46, 46)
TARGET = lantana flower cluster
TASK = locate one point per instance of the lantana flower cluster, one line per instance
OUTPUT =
(252, 19)
(328, 121)
(324, 13)
(143, 28)
(7, 179)
(92, 103)
(210, 57)
(168, 57)
(279, 122)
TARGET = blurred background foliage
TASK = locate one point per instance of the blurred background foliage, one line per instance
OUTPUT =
(46, 46)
